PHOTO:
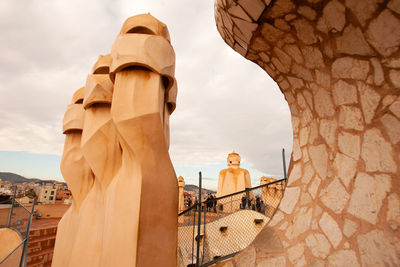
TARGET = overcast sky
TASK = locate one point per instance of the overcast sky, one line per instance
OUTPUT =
(225, 102)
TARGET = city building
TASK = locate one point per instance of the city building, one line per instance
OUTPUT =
(47, 194)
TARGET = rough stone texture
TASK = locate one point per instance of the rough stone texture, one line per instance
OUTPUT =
(350, 68)
(392, 126)
(345, 168)
(318, 244)
(363, 10)
(369, 101)
(378, 249)
(394, 76)
(351, 118)
(267, 241)
(331, 229)
(395, 108)
(290, 199)
(295, 253)
(344, 93)
(353, 42)
(334, 196)
(295, 174)
(301, 223)
(349, 144)
(383, 33)
(337, 63)
(333, 17)
(277, 262)
(368, 195)
(393, 213)
(327, 128)
(349, 227)
(319, 159)
(247, 257)
(313, 189)
(343, 258)
(377, 153)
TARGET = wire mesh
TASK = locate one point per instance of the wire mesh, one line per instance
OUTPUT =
(16, 216)
(228, 224)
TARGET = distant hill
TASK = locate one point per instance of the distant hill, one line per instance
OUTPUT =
(15, 178)
(192, 187)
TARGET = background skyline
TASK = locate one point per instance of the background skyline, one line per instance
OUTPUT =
(225, 102)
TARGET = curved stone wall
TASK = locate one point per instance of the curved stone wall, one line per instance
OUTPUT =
(338, 65)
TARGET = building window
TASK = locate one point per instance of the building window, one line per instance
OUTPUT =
(44, 196)
(45, 192)
(52, 193)
(51, 198)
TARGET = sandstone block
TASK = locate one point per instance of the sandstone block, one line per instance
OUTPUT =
(350, 68)
(304, 132)
(295, 174)
(319, 245)
(278, 262)
(334, 196)
(289, 200)
(313, 57)
(343, 258)
(349, 228)
(377, 153)
(247, 257)
(344, 93)
(378, 71)
(392, 127)
(296, 154)
(395, 108)
(323, 103)
(394, 76)
(305, 31)
(394, 5)
(253, 8)
(352, 42)
(393, 213)
(277, 218)
(270, 33)
(369, 101)
(383, 33)
(378, 249)
(333, 17)
(327, 129)
(349, 144)
(294, 52)
(295, 253)
(363, 10)
(368, 195)
(307, 12)
(308, 174)
(351, 118)
(331, 229)
(345, 167)
(280, 7)
(313, 189)
(319, 159)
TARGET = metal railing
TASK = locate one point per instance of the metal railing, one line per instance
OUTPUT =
(19, 219)
(218, 228)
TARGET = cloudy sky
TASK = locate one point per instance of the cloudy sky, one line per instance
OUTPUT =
(224, 102)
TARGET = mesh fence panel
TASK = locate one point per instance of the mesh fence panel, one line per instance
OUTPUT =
(228, 224)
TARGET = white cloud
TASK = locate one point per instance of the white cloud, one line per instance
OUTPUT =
(224, 101)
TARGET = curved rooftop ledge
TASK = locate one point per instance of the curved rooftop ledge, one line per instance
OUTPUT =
(338, 65)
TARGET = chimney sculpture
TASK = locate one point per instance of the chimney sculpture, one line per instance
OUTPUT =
(129, 216)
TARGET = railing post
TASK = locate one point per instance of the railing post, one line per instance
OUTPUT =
(198, 226)
(284, 163)
(24, 254)
(12, 207)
